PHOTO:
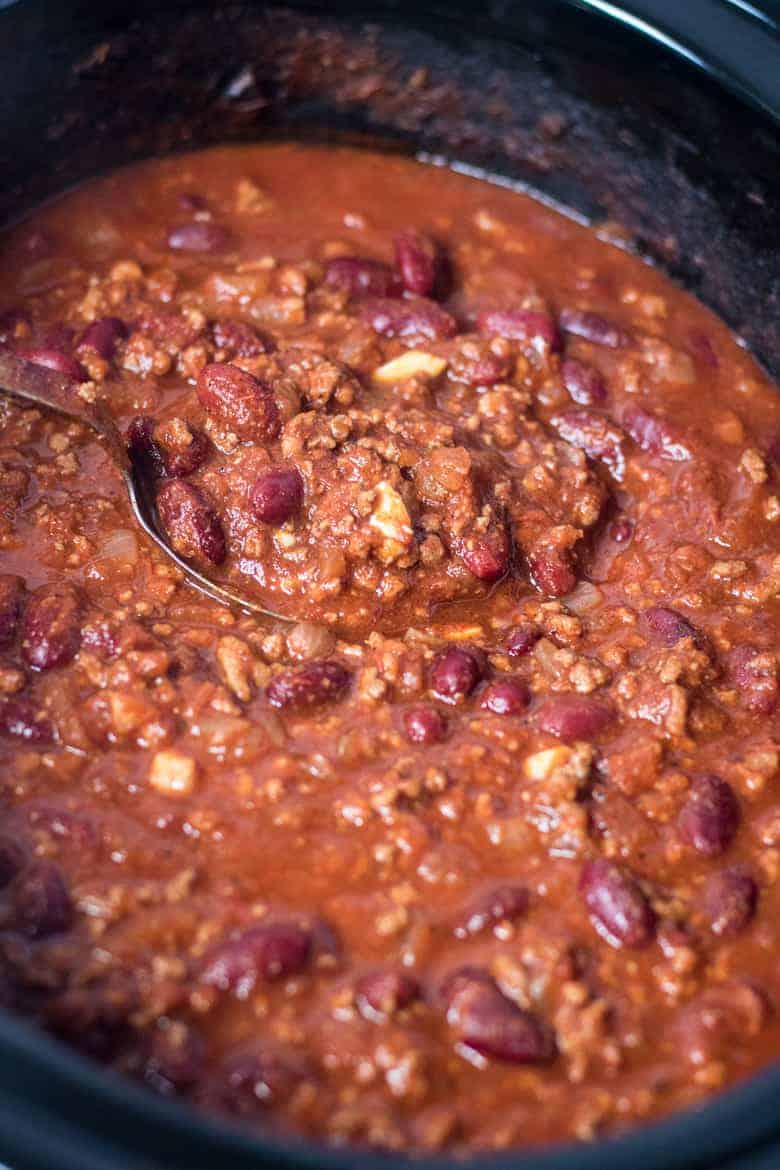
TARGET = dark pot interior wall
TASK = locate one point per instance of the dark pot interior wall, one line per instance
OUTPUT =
(539, 91)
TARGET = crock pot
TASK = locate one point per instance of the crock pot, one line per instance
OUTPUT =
(656, 118)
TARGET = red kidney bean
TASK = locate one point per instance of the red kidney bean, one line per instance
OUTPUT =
(186, 457)
(57, 360)
(754, 673)
(486, 1021)
(415, 259)
(277, 495)
(484, 369)
(240, 339)
(507, 696)
(455, 673)
(268, 951)
(20, 719)
(190, 523)
(621, 531)
(424, 725)
(520, 325)
(144, 452)
(487, 555)
(618, 908)
(242, 401)
(250, 1082)
(319, 681)
(668, 626)
(522, 639)
(359, 276)
(413, 318)
(42, 903)
(655, 435)
(102, 336)
(385, 993)
(502, 904)
(596, 436)
(710, 816)
(12, 860)
(202, 235)
(11, 599)
(593, 327)
(51, 630)
(572, 716)
(773, 450)
(551, 571)
(174, 1059)
(584, 384)
(730, 899)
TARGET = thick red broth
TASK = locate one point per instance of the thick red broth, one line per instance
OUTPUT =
(480, 848)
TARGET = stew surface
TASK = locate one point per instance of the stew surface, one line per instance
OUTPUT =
(480, 848)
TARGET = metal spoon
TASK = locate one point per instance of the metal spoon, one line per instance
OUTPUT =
(39, 386)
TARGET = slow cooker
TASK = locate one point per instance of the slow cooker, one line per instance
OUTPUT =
(656, 116)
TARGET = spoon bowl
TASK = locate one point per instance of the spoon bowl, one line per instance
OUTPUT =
(38, 386)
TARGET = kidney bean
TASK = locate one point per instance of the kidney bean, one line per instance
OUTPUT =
(486, 555)
(19, 719)
(12, 860)
(202, 235)
(102, 336)
(754, 673)
(668, 626)
(250, 1082)
(507, 696)
(413, 318)
(572, 716)
(593, 327)
(57, 360)
(174, 1059)
(190, 523)
(522, 639)
(268, 951)
(144, 452)
(484, 1020)
(42, 903)
(11, 598)
(596, 436)
(424, 725)
(455, 673)
(584, 384)
(710, 816)
(655, 435)
(551, 571)
(520, 325)
(503, 904)
(773, 450)
(182, 451)
(618, 908)
(240, 339)
(730, 899)
(480, 367)
(385, 993)
(242, 401)
(415, 259)
(317, 682)
(359, 276)
(277, 495)
(621, 531)
(51, 630)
